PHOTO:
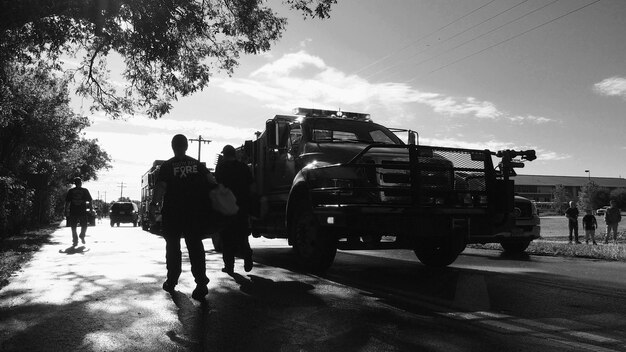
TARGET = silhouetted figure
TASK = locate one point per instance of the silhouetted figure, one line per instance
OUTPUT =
(77, 202)
(572, 221)
(182, 185)
(612, 217)
(236, 176)
(590, 224)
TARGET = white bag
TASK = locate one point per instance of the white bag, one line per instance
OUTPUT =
(223, 200)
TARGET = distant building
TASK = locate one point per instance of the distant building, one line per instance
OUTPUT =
(540, 188)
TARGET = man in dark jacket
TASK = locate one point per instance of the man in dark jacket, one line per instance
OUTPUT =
(572, 221)
(182, 185)
(612, 217)
(77, 202)
(236, 176)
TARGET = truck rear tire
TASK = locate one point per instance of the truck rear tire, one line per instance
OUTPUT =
(316, 252)
(438, 253)
(515, 247)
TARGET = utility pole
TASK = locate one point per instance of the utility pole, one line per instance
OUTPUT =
(200, 140)
(121, 186)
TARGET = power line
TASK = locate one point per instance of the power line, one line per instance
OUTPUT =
(509, 39)
(448, 39)
(421, 38)
(484, 34)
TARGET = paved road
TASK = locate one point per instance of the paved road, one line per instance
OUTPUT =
(107, 297)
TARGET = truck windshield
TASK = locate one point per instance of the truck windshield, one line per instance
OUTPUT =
(346, 131)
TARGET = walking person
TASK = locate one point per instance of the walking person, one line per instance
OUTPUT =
(572, 216)
(182, 191)
(612, 217)
(590, 224)
(77, 202)
(236, 176)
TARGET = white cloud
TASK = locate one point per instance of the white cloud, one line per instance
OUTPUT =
(614, 86)
(301, 79)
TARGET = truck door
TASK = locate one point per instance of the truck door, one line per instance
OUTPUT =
(280, 176)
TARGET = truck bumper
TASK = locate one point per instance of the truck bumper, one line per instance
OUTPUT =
(394, 221)
(524, 230)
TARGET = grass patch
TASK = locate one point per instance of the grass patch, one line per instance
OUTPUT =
(550, 247)
(15, 251)
(555, 242)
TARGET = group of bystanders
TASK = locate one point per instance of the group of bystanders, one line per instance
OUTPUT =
(612, 217)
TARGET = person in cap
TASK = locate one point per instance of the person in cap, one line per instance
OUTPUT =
(182, 192)
(77, 203)
(236, 176)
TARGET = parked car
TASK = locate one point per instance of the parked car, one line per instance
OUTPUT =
(602, 211)
(124, 212)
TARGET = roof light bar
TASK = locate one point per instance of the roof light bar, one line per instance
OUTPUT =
(309, 112)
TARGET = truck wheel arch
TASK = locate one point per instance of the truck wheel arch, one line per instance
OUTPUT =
(298, 196)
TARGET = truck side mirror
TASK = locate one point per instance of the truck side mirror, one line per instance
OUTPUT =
(412, 137)
(272, 135)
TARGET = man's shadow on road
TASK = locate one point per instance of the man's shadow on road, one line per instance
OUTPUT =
(74, 250)
(294, 293)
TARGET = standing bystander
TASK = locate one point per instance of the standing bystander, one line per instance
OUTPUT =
(572, 221)
(236, 176)
(182, 185)
(77, 201)
(612, 217)
(590, 224)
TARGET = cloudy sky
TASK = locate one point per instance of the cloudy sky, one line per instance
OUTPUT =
(543, 74)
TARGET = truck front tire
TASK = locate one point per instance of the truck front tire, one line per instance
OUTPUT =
(316, 252)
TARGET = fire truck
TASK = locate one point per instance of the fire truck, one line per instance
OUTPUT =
(151, 223)
(336, 180)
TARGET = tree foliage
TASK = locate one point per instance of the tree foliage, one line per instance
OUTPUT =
(586, 196)
(41, 146)
(170, 48)
(561, 196)
(619, 196)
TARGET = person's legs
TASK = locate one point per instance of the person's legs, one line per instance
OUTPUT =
(608, 233)
(570, 227)
(173, 258)
(614, 232)
(229, 248)
(195, 247)
(243, 245)
(576, 232)
(72, 220)
(83, 228)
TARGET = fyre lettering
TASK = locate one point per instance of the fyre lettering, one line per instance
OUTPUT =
(183, 171)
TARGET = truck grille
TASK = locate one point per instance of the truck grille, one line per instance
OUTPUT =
(445, 177)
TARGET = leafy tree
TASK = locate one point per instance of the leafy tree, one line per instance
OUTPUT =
(170, 47)
(41, 147)
(561, 196)
(585, 196)
(601, 197)
(619, 195)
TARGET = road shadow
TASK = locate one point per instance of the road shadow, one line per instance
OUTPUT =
(293, 293)
(74, 250)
